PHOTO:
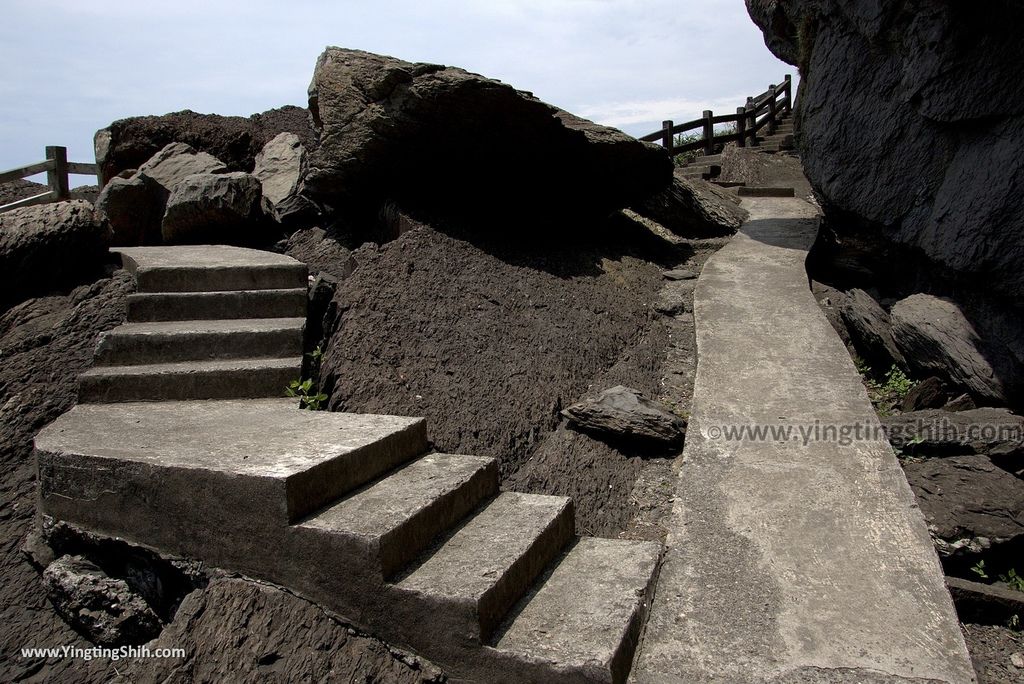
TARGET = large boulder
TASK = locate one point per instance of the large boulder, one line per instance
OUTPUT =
(936, 338)
(934, 432)
(279, 169)
(132, 207)
(972, 507)
(694, 208)
(213, 208)
(235, 140)
(172, 163)
(452, 146)
(47, 247)
(870, 330)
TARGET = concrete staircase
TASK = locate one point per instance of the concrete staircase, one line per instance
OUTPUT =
(709, 167)
(351, 511)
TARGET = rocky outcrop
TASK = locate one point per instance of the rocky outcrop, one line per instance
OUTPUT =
(910, 126)
(929, 393)
(279, 169)
(936, 338)
(624, 413)
(235, 140)
(103, 607)
(47, 247)
(173, 163)
(870, 330)
(213, 208)
(132, 207)
(453, 146)
(694, 208)
(935, 432)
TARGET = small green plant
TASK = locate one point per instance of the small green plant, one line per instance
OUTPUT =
(1013, 580)
(979, 569)
(897, 383)
(309, 397)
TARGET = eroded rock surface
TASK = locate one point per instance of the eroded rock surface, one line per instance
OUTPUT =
(624, 413)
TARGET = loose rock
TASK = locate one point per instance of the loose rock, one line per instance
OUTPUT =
(132, 207)
(624, 413)
(995, 432)
(213, 208)
(278, 167)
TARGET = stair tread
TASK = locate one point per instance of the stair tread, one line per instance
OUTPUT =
(589, 607)
(222, 304)
(195, 366)
(475, 558)
(227, 325)
(388, 503)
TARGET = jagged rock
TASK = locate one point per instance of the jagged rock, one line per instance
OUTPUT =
(694, 208)
(104, 608)
(624, 413)
(322, 251)
(235, 140)
(992, 431)
(132, 207)
(173, 163)
(937, 339)
(962, 402)
(680, 274)
(278, 167)
(47, 247)
(213, 208)
(930, 393)
(870, 330)
(449, 145)
(970, 504)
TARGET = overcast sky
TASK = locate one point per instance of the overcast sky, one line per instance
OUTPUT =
(71, 67)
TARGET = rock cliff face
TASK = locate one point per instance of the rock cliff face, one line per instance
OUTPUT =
(910, 125)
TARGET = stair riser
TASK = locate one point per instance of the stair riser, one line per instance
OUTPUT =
(219, 384)
(194, 306)
(116, 349)
(273, 277)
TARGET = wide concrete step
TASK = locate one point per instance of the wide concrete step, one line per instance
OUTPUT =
(465, 586)
(199, 477)
(181, 306)
(707, 159)
(170, 341)
(765, 191)
(207, 268)
(391, 521)
(218, 379)
(583, 621)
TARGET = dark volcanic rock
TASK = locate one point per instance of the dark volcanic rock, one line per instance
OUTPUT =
(47, 247)
(104, 608)
(936, 338)
(694, 208)
(279, 169)
(132, 208)
(870, 330)
(991, 431)
(624, 413)
(970, 504)
(235, 140)
(930, 393)
(450, 146)
(323, 251)
(213, 208)
(173, 163)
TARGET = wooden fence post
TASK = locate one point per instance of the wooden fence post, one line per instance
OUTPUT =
(789, 94)
(709, 133)
(771, 109)
(741, 126)
(57, 178)
(666, 136)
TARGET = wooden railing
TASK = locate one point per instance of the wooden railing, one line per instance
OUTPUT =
(57, 168)
(761, 113)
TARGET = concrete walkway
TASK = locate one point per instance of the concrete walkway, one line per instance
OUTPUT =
(790, 560)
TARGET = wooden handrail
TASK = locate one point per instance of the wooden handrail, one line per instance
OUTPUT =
(764, 110)
(57, 168)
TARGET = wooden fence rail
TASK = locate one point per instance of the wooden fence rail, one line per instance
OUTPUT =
(57, 168)
(760, 113)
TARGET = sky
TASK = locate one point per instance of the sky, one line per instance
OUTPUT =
(70, 67)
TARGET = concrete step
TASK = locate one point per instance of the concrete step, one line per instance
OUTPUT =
(583, 621)
(391, 521)
(207, 268)
(202, 477)
(171, 341)
(707, 160)
(145, 307)
(728, 184)
(218, 379)
(464, 587)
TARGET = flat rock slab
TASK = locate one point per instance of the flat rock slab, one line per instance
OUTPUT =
(130, 466)
(790, 559)
(190, 268)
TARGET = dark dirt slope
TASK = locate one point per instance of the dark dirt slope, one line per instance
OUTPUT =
(490, 340)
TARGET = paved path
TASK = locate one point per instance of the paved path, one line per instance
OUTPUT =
(790, 562)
